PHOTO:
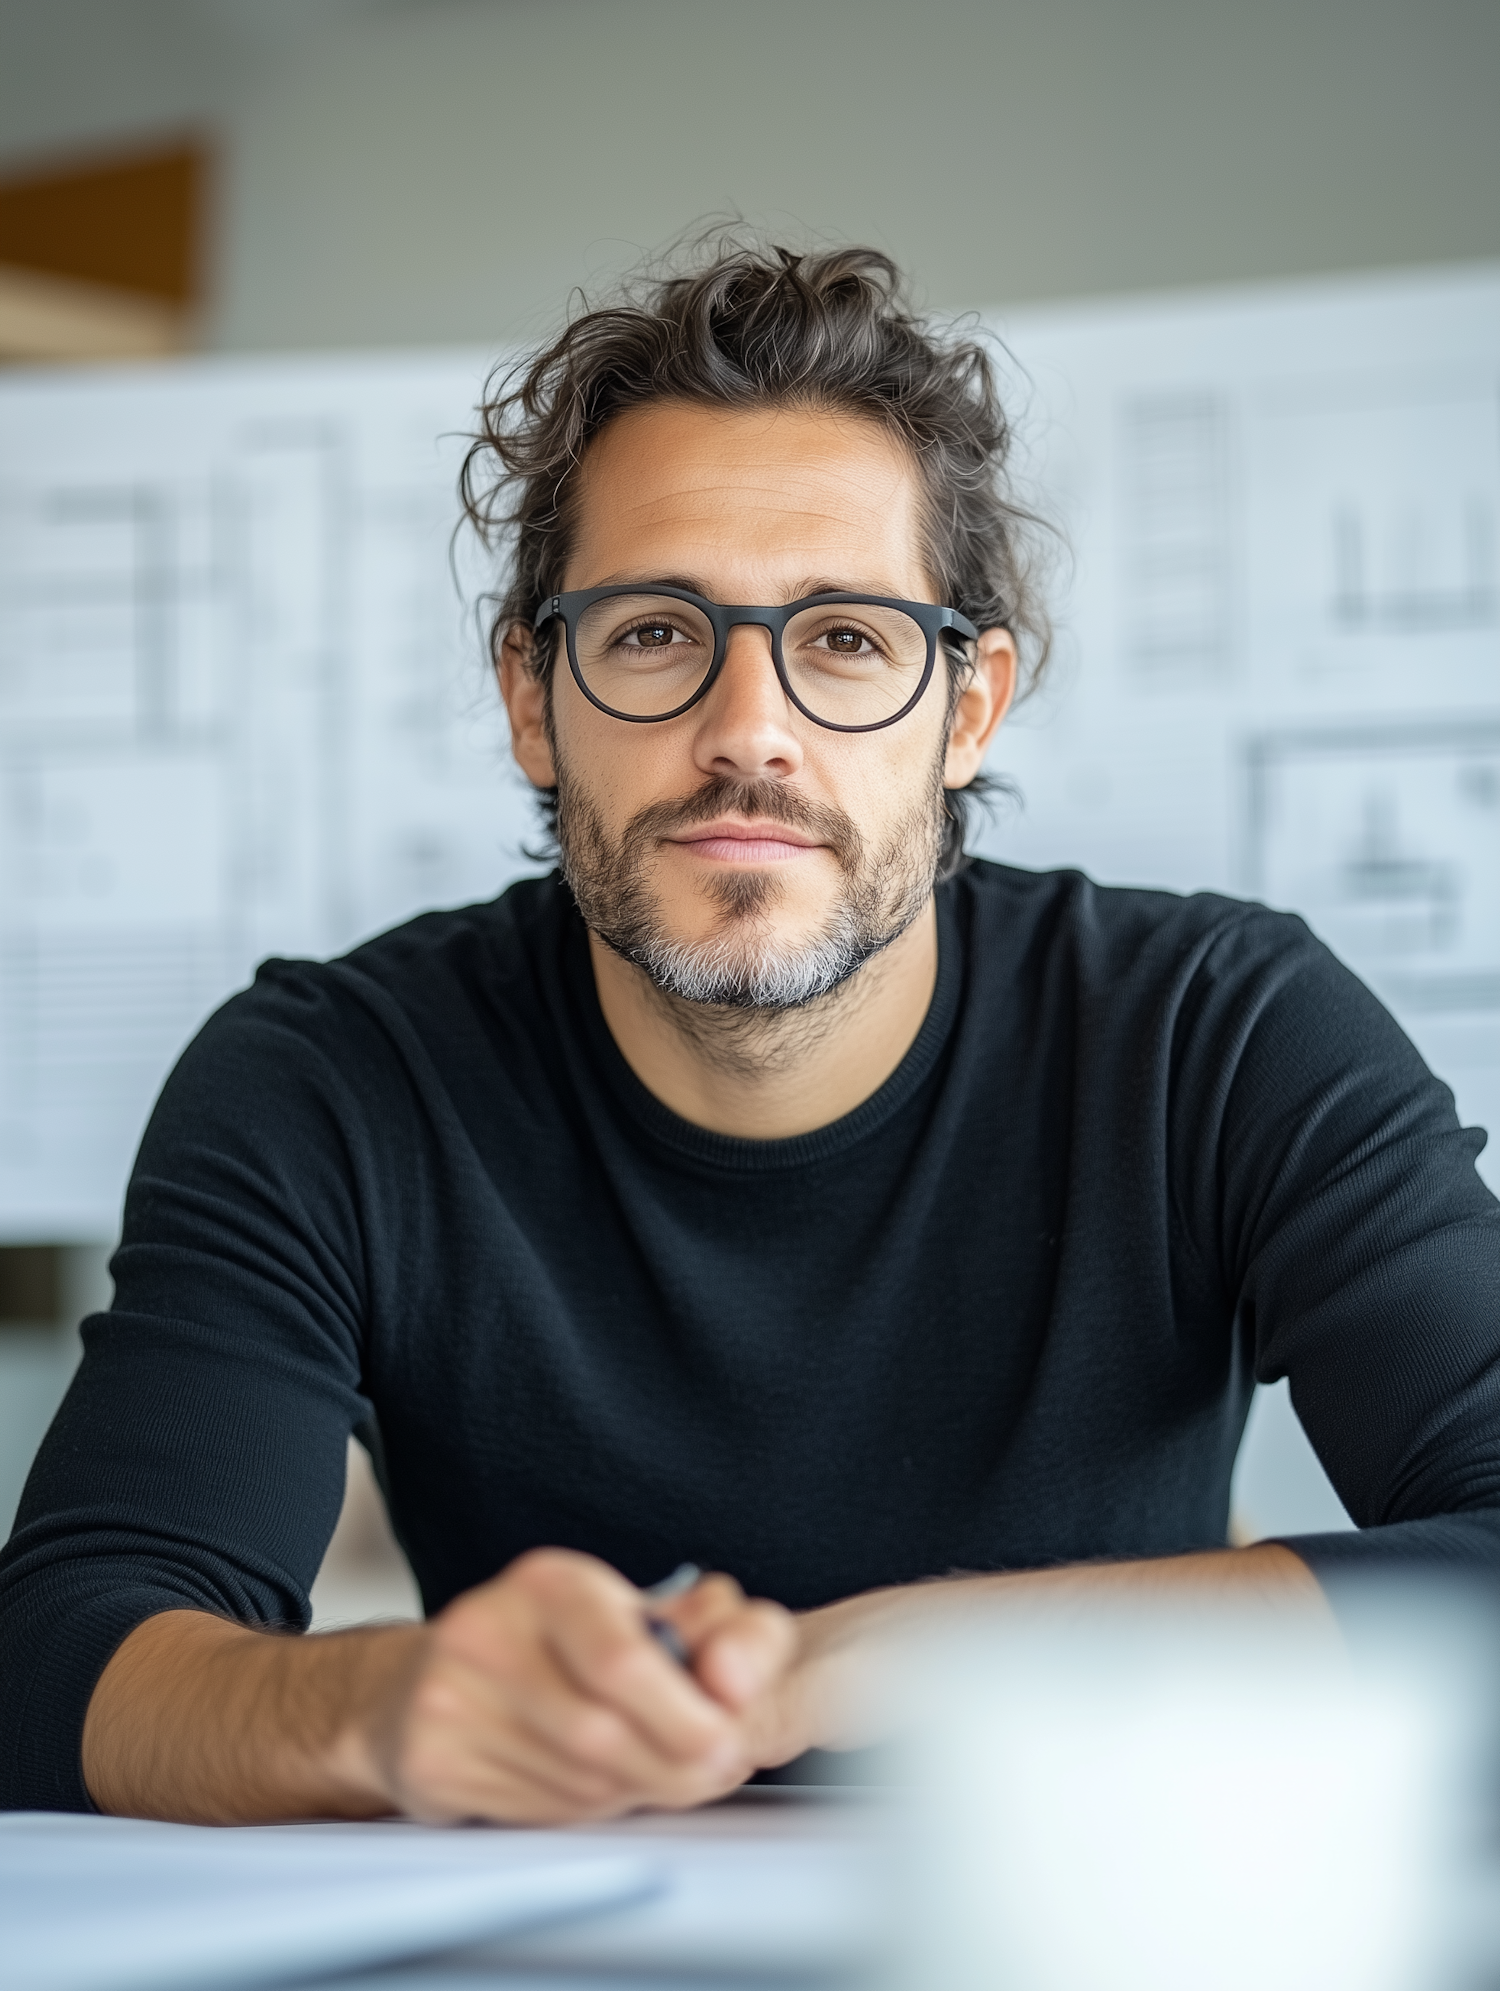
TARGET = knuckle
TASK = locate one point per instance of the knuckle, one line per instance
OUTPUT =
(594, 1735)
(773, 1622)
(551, 1577)
(721, 1590)
(432, 1703)
(538, 1570)
(618, 1665)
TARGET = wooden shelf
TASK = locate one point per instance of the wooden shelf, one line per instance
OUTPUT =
(44, 317)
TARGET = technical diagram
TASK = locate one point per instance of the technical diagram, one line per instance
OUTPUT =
(1177, 533)
(1388, 841)
(241, 713)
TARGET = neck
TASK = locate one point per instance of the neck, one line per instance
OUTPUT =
(767, 1076)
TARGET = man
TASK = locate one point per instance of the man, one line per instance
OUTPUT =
(769, 1189)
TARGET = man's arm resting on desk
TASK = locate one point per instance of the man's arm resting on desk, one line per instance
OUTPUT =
(822, 1705)
(539, 1697)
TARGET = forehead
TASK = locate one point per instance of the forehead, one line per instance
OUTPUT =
(732, 497)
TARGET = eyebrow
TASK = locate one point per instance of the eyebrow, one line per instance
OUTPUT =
(692, 584)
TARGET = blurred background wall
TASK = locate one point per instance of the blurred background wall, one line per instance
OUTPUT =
(447, 169)
(255, 175)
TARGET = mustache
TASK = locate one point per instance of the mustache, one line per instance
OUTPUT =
(769, 801)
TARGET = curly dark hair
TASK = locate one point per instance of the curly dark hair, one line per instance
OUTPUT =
(740, 325)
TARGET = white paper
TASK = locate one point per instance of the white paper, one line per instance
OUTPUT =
(243, 711)
(102, 1904)
(1278, 668)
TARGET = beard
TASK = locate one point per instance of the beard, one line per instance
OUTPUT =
(742, 964)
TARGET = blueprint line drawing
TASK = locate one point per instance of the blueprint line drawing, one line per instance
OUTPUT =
(1388, 840)
(1389, 526)
(1281, 653)
(1415, 599)
(1177, 516)
(241, 714)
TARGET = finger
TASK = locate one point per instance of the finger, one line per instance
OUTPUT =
(602, 1642)
(592, 1738)
(470, 1750)
(561, 1640)
(697, 1613)
(518, 1783)
(749, 1655)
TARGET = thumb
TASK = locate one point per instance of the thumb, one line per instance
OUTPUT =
(749, 1656)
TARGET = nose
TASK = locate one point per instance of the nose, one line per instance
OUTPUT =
(746, 723)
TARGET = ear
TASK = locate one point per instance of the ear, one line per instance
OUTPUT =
(526, 701)
(982, 704)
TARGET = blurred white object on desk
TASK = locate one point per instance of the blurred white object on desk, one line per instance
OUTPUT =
(1200, 1802)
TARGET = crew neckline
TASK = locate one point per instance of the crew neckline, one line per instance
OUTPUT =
(684, 1138)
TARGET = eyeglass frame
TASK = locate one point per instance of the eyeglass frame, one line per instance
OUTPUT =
(723, 617)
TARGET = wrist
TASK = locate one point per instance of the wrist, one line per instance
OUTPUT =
(366, 1696)
(811, 1708)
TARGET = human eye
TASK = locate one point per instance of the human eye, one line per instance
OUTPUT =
(843, 644)
(846, 641)
(654, 633)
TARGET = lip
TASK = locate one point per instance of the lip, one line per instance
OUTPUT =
(736, 841)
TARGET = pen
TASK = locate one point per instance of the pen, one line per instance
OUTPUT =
(677, 1584)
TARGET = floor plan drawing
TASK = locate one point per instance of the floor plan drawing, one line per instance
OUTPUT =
(1278, 666)
(233, 720)
(1177, 529)
(1388, 841)
(1388, 533)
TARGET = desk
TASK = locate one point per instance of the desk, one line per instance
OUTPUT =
(770, 1889)
(766, 1889)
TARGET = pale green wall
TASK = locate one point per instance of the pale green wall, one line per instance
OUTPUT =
(448, 172)
(411, 170)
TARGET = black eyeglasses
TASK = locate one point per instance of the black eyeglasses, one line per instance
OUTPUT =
(853, 663)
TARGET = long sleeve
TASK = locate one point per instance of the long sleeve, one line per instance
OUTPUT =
(198, 1458)
(1338, 1196)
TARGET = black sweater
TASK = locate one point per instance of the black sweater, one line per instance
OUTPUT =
(1008, 1312)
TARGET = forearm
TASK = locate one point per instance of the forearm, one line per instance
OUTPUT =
(1266, 1574)
(208, 1722)
(829, 1700)
(540, 1697)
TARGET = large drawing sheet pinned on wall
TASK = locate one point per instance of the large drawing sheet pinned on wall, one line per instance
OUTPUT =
(243, 710)
(1279, 673)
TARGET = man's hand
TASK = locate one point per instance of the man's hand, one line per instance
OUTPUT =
(538, 1698)
(542, 1696)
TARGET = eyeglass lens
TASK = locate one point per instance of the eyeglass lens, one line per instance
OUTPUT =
(852, 663)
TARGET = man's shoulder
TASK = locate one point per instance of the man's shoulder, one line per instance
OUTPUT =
(504, 933)
(1107, 929)
(488, 952)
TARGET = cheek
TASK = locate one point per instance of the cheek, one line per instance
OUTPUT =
(888, 775)
(621, 768)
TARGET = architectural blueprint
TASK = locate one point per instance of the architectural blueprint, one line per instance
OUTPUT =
(244, 708)
(1277, 670)
(243, 711)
